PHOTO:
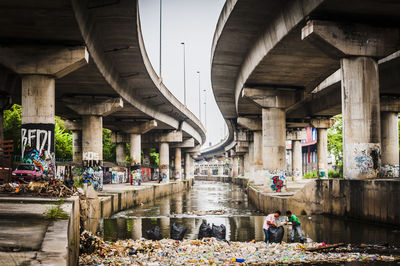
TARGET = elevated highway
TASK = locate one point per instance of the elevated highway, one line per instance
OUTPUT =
(86, 61)
(278, 66)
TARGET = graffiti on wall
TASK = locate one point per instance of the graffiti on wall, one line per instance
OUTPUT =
(146, 174)
(389, 171)
(136, 176)
(276, 180)
(63, 172)
(37, 143)
(164, 172)
(93, 170)
(368, 162)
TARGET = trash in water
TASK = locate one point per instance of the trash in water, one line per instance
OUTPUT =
(177, 233)
(205, 230)
(211, 251)
(219, 232)
(154, 234)
(275, 234)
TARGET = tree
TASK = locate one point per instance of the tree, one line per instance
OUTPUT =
(63, 140)
(108, 146)
(335, 141)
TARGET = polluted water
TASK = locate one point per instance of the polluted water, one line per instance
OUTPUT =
(122, 238)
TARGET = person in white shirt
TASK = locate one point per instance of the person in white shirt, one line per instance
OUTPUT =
(270, 220)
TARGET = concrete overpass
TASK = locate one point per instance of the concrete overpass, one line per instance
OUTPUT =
(278, 66)
(86, 62)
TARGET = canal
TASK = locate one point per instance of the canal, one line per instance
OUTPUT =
(223, 203)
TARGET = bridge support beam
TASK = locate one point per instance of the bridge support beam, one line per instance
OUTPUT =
(296, 136)
(76, 128)
(322, 125)
(358, 47)
(390, 144)
(178, 163)
(188, 165)
(164, 161)
(235, 166)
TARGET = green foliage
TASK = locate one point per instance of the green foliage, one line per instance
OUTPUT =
(12, 126)
(335, 141)
(154, 157)
(108, 146)
(310, 175)
(334, 174)
(63, 140)
(56, 212)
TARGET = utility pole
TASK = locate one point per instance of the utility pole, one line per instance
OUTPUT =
(184, 73)
(198, 72)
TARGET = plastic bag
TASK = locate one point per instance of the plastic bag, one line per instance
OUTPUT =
(154, 234)
(275, 234)
(205, 230)
(177, 233)
(219, 232)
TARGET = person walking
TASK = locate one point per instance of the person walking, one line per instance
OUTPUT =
(270, 220)
(295, 226)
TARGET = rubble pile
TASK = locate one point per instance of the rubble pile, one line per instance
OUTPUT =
(211, 251)
(46, 189)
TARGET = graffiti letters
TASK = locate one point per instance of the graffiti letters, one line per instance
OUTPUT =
(276, 180)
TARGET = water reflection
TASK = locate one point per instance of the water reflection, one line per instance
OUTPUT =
(242, 221)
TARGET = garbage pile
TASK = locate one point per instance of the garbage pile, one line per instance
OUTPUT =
(211, 251)
(48, 189)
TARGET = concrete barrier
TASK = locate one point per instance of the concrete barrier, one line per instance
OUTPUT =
(113, 202)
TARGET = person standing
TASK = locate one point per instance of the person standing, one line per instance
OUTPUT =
(295, 226)
(270, 220)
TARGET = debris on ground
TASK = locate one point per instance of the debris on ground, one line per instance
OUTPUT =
(54, 188)
(207, 212)
(211, 251)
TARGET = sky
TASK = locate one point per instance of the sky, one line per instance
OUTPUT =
(192, 22)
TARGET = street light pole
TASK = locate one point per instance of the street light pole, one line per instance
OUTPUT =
(198, 72)
(160, 32)
(184, 74)
(205, 108)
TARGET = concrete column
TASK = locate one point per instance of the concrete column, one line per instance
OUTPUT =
(37, 129)
(209, 171)
(77, 146)
(221, 164)
(251, 162)
(235, 166)
(146, 157)
(390, 144)
(246, 164)
(187, 165)
(297, 160)
(92, 137)
(135, 150)
(322, 152)
(241, 167)
(258, 158)
(361, 118)
(164, 161)
(178, 163)
(120, 150)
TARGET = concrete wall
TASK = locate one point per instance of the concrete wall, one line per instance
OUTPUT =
(111, 203)
(374, 200)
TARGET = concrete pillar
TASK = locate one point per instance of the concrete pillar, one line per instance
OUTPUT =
(361, 118)
(297, 160)
(246, 164)
(209, 171)
(146, 157)
(322, 152)
(241, 167)
(235, 166)
(258, 158)
(37, 129)
(92, 137)
(390, 144)
(164, 161)
(77, 146)
(135, 149)
(120, 150)
(178, 163)
(187, 165)
(221, 164)
(251, 162)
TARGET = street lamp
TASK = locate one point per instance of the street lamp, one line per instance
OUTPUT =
(205, 108)
(184, 74)
(160, 32)
(198, 72)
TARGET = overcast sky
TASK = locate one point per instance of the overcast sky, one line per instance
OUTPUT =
(192, 22)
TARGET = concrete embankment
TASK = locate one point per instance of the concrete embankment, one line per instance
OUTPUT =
(373, 200)
(27, 237)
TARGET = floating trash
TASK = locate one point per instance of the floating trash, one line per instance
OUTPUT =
(211, 251)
